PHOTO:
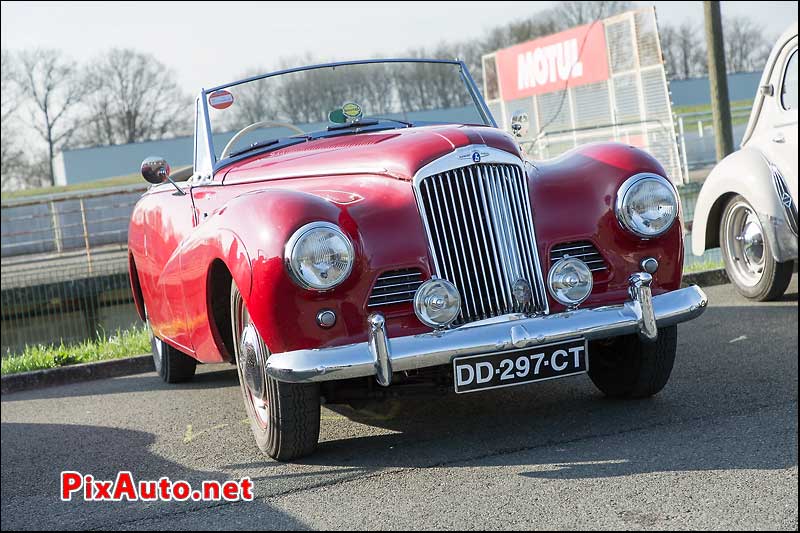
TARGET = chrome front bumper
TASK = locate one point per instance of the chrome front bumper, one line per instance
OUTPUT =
(381, 356)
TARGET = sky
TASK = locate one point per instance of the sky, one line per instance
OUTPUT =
(208, 44)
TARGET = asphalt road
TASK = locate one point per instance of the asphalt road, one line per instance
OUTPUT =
(716, 449)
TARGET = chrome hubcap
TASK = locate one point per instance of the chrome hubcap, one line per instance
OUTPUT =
(745, 243)
(251, 360)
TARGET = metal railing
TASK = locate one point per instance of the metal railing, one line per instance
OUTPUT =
(696, 136)
(64, 267)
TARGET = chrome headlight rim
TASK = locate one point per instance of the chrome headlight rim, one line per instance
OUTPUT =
(626, 187)
(550, 275)
(420, 306)
(297, 236)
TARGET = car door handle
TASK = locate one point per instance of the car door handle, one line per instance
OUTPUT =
(779, 138)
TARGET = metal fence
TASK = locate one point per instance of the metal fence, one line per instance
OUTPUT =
(696, 136)
(64, 267)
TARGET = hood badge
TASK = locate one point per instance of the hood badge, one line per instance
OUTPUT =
(522, 292)
(475, 155)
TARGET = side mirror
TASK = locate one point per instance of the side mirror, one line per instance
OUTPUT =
(155, 170)
(520, 124)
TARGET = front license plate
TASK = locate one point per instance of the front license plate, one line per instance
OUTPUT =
(516, 367)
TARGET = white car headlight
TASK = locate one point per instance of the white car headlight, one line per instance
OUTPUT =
(647, 205)
(319, 256)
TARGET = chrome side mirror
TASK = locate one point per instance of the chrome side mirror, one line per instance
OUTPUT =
(520, 124)
(155, 170)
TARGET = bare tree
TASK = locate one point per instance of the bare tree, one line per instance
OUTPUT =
(12, 160)
(746, 47)
(51, 83)
(684, 51)
(575, 13)
(133, 98)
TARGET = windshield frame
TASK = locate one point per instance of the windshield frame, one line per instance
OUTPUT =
(207, 164)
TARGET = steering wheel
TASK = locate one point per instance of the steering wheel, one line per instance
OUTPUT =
(254, 126)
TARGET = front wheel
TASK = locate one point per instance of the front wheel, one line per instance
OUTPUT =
(747, 254)
(628, 367)
(284, 417)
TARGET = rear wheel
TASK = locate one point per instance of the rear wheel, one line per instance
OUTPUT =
(284, 417)
(747, 254)
(171, 364)
(628, 367)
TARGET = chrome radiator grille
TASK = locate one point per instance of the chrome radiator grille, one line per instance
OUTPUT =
(480, 230)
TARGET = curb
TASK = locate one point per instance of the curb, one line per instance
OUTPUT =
(707, 278)
(144, 363)
(64, 375)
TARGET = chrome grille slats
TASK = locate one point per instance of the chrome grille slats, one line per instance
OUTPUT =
(485, 258)
(498, 257)
(583, 250)
(479, 223)
(395, 286)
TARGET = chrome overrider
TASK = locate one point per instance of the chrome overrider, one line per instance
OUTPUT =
(380, 356)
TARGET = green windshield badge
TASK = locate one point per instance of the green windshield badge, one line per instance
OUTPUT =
(352, 111)
(337, 116)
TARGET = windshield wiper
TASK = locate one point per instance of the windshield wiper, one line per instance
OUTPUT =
(264, 144)
(369, 122)
(403, 122)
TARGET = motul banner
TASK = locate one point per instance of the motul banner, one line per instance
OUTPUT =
(576, 56)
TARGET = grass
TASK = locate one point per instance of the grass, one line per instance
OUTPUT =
(128, 343)
(118, 181)
(706, 108)
(703, 267)
(130, 179)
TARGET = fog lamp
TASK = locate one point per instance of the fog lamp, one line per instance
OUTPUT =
(437, 303)
(570, 281)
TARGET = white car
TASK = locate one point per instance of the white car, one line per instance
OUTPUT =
(748, 204)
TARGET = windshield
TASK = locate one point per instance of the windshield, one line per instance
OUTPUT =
(303, 105)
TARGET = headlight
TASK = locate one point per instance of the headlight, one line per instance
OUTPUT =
(319, 256)
(437, 303)
(647, 205)
(570, 281)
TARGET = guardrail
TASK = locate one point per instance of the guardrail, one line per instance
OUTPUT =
(58, 223)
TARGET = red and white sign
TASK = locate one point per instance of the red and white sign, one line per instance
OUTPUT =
(220, 99)
(575, 57)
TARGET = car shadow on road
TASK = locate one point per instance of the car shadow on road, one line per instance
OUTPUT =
(33, 455)
(212, 376)
(731, 404)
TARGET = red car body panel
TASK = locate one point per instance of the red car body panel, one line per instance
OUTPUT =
(361, 182)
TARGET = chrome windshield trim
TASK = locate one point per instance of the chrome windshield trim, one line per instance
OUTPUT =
(472, 88)
(332, 64)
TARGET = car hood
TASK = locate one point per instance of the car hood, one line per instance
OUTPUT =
(397, 153)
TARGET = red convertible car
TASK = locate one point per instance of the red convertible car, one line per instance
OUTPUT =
(363, 229)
